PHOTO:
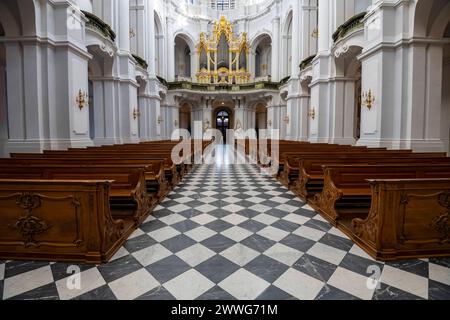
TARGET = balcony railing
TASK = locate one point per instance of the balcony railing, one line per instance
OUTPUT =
(186, 85)
(98, 24)
(141, 62)
(307, 62)
(351, 24)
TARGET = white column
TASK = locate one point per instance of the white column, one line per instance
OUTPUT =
(151, 37)
(124, 25)
(275, 49)
(170, 50)
(324, 25)
(295, 40)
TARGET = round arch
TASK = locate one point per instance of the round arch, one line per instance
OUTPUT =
(261, 62)
(185, 66)
(287, 44)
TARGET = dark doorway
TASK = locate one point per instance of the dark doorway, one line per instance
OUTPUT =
(223, 123)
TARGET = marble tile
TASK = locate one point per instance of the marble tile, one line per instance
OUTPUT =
(189, 285)
(309, 233)
(164, 233)
(178, 208)
(287, 208)
(295, 218)
(103, 293)
(284, 254)
(44, 293)
(353, 283)
(254, 199)
(244, 285)
(118, 268)
(27, 281)
(266, 219)
(266, 268)
(2, 271)
(356, 250)
(201, 233)
(158, 294)
(438, 291)
(405, 281)
(172, 219)
(272, 233)
(204, 219)
(439, 273)
(329, 292)
(260, 208)
(216, 293)
(122, 252)
(273, 293)
(252, 226)
(234, 218)
(13, 268)
(327, 253)
(233, 208)
(240, 254)
(195, 254)
(133, 285)
(314, 267)
(90, 280)
(217, 268)
(237, 233)
(218, 243)
(151, 254)
(299, 285)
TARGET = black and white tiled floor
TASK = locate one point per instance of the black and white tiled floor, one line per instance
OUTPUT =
(228, 232)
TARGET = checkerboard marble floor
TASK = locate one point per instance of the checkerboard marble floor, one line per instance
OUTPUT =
(227, 232)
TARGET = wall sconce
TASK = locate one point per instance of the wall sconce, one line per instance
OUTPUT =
(269, 123)
(286, 119)
(312, 113)
(136, 113)
(160, 120)
(368, 99)
(176, 123)
(82, 99)
(315, 33)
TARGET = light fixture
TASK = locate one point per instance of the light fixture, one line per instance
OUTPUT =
(136, 113)
(286, 119)
(160, 120)
(368, 99)
(312, 113)
(82, 99)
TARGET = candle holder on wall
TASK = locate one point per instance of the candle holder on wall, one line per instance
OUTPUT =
(312, 113)
(176, 123)
(269, 123)
(136, 113)
(82, 99)
(160, 120)
(368, 99)
(286, 119)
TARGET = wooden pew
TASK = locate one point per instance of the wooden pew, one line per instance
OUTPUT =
(347, 193)
(156, 183)
(407, 219)
(59, 221)
(128, 195)
(308, 178)
(170, 170)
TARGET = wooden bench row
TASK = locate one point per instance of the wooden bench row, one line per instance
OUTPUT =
(82, 204)
(394, 204)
